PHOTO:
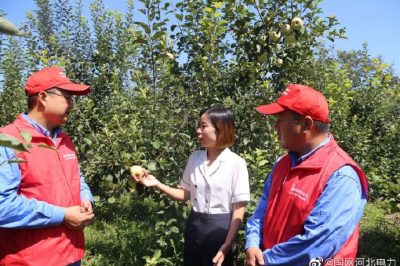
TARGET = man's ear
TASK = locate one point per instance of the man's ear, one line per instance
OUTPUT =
(308, 124)
(42, 98)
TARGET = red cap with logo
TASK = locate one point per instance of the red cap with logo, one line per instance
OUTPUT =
(300, 99)
(53, 77)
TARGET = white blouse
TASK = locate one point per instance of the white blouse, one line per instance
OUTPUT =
(213, 189)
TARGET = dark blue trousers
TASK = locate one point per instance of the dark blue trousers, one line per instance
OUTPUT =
(204, 235)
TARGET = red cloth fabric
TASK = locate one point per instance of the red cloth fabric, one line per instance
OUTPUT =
(295, 191)
(52, 176)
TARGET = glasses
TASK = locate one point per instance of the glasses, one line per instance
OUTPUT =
(69, 98)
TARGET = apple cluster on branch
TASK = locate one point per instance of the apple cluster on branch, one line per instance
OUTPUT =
(289, 32)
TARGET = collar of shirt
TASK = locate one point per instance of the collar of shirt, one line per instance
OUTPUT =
(223, 156)
(207, 171)
(41, 129)
(296, 159)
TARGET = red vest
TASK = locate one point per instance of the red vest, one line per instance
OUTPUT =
(52, 176)
(295, 191)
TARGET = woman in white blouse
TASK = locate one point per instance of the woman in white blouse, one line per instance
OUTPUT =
(217, 184)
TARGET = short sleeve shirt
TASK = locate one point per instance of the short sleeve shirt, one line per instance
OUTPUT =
(213, 189)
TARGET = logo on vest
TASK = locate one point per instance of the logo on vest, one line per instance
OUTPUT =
(298, 193)
(69, 156)
(316, 261)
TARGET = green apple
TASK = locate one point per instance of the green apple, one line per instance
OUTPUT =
(297, 23)
(278, 62)
(291, 38)
(137, 171)
(274, 36)
(286, 29)
(170, 56)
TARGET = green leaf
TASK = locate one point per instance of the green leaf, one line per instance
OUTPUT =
(158, 34)
(13, 143)
(152, 166)
(156, 144)
(18, 160)
(179, 17)
(157, 254)
(217, 15)
(96, 198)
(218, 4)
(140, 40)
(145, 27)
(88, 141)
(26, 136)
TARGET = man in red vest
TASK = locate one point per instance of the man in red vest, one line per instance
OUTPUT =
(44, 200)
(315, 195)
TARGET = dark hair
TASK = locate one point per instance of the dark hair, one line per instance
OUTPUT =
(321, 126)
(224, 122)
(32, 102)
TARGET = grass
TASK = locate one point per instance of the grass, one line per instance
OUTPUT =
(380, 233)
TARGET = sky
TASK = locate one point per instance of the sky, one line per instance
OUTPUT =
(373, 21)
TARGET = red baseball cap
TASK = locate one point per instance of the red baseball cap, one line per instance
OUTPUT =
(53, 77)
(300, 99)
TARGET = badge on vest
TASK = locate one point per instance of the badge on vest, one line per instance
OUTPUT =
(298, 193)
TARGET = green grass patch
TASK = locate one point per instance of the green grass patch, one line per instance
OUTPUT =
(380, 233)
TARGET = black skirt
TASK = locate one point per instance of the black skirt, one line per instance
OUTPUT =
(204, 235)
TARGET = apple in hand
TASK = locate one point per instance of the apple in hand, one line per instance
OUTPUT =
(286, 29)
(297, 23)
(137, 171)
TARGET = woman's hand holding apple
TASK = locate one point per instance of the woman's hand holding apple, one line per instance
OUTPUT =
(142, 176)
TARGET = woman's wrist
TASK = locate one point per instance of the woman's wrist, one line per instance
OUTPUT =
(158, 184)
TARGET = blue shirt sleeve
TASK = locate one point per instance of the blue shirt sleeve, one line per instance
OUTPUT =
(333, 219)
(16, 211)
(255, 222)
(85, 190)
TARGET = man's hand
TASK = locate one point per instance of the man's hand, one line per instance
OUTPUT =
(77, 220)
(254, 257)
(86, 206)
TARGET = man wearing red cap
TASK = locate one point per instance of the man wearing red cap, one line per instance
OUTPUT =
(44, 200)
(315, 195)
